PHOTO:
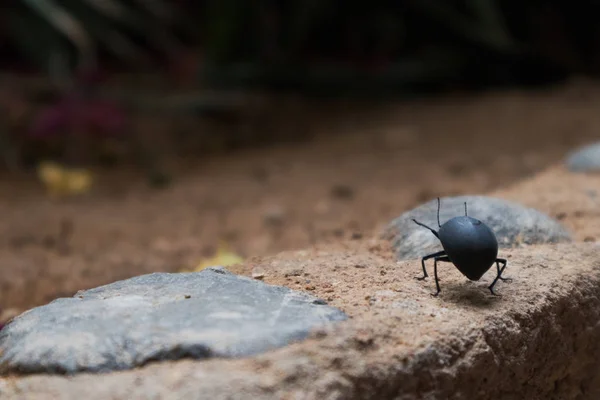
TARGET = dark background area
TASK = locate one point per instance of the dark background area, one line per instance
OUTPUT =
(311, 45)
(73, 70)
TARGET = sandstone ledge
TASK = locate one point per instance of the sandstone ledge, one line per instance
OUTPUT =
(539, 340)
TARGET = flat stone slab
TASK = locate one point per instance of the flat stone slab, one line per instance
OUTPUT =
(513, 224)
(156, 317)
(585, 159)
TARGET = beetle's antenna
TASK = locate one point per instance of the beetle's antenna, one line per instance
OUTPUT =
(466, 209)
(426, 227)
(438, 213)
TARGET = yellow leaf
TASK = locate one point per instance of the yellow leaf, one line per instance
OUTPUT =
(224, 258)
(61, 181)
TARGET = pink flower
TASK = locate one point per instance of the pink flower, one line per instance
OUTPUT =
(77, 112)
(91, 116)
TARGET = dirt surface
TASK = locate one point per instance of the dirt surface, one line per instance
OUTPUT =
(359, 171)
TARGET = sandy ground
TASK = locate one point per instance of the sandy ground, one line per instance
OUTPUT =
(359, 171)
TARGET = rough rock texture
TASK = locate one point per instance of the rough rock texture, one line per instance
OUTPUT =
(159, 316)
(537, 341)
(512, 223)
(585, 159)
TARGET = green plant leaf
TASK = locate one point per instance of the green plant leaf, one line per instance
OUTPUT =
(69, 26)
(35, 38)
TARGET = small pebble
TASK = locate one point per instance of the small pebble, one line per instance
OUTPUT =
(584, 159)
(338, 232)
(374, 245)
(342, 192)
(258, 273)
(323, 207)
(274, 215)
(293, 272)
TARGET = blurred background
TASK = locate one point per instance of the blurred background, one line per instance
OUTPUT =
(97, 64)
(146, 135)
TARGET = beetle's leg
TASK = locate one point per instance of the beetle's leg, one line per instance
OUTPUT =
(500, 271)
(438, 254)
(499, 276)
(437, 281)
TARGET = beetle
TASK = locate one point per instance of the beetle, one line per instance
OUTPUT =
(469, 244)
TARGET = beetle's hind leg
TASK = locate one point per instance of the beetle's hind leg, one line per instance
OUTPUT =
(438, 254)
(443, 258)
(499, 276)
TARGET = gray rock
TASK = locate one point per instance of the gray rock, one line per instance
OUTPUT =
(159, 316)
(512, 223)
(585, 159)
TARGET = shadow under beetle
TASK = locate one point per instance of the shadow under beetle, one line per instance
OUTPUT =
(469, 244)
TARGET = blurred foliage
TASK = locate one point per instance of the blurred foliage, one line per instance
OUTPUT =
(398, 47)
(315, 43)
(54, 34)
(323, 47)
(60, 181)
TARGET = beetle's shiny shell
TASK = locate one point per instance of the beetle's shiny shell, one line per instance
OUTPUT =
(470, 245)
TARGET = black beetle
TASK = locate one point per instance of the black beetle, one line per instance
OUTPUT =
(469, 244)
